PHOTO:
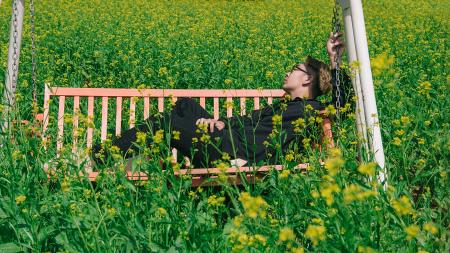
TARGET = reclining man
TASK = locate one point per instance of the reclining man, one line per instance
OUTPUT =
(241, 137)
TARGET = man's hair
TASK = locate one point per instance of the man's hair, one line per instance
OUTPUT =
(321, 73)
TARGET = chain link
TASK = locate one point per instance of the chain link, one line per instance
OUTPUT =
(15, 53)
(33, 53)
(336, 26)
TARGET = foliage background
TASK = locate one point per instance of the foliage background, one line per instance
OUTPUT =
(231, 44)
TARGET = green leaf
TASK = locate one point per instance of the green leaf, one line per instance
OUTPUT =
(10, 247)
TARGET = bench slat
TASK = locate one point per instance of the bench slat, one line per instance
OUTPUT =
(117, 92)
(243, 105)
(59, 141)
(118, 115)
(202, 102)
(104, 118)
(229, 108)
(76, 109)
(146, 107)
(256, 101)
(216, 108)
(161, 104)
(132, 111)
(90, 130)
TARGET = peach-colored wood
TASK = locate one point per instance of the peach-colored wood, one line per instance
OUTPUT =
(115, 92)
(146, 107)
(90, 130)
(76, 109)
(202, 102)
(229, 107)
(216, 108)
(47, 93)
(269, 100)
(200, 175)
(256, 101)
(327, 133)
(174, 153)
(242, 106)
(59, 140)
(104, 118)
(118, 115)
(132, 111)
(160, 104)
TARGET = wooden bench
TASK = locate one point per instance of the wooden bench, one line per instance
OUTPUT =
(148, 98)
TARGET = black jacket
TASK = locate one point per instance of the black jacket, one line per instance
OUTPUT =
(248, 133)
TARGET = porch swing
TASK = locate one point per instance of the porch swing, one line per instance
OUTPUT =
(200, 176)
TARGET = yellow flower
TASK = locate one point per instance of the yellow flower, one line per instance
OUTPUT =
(286, 234)
(162, 71)
(65, 185)
(254, 206)
(397, 141)
(333, 164)
(158, 137)
(402, 206)
(215, 201)
(276, 120)
(269, 74)
(297, 250)
(20, 199)
(355, 192)
(366, 249)
(400, 132)
(424, 88)
(237, 221)
(228, 81)
(412, 232)
(430, 227)
(112, 211)
(381, 63)
(176, 135)
(405, 120)
(367, 169)
(327, 192)
(427, 122)
(141, 138)
(162, 211)
(315, 233)
(285, 173)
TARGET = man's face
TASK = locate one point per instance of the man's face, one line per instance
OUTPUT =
(297, 77)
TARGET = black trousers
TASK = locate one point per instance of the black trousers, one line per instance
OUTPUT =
(182, 118)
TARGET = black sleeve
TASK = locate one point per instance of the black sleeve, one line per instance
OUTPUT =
(344, 87)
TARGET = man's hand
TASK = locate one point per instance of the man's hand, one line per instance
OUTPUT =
(334, 46)
(211, 122)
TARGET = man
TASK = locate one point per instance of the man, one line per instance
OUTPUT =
(242, 137)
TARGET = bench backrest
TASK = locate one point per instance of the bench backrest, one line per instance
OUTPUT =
(107, 94)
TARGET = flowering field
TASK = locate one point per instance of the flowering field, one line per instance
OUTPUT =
(233, 44)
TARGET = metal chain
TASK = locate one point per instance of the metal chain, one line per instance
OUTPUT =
(15, 50)
(33, 54)
(336, 26)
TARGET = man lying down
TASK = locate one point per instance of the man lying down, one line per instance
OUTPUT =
(242, 138)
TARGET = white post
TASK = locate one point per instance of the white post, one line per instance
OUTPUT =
(352, 56)
(15, 40)
(365, 72)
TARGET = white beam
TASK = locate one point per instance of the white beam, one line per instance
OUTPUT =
(365, 72)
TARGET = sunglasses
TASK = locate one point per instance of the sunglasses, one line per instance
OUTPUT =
(297, 67)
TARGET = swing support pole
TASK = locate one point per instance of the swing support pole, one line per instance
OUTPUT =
(367, 111)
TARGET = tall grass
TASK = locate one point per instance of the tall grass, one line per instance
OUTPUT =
(231, 44)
